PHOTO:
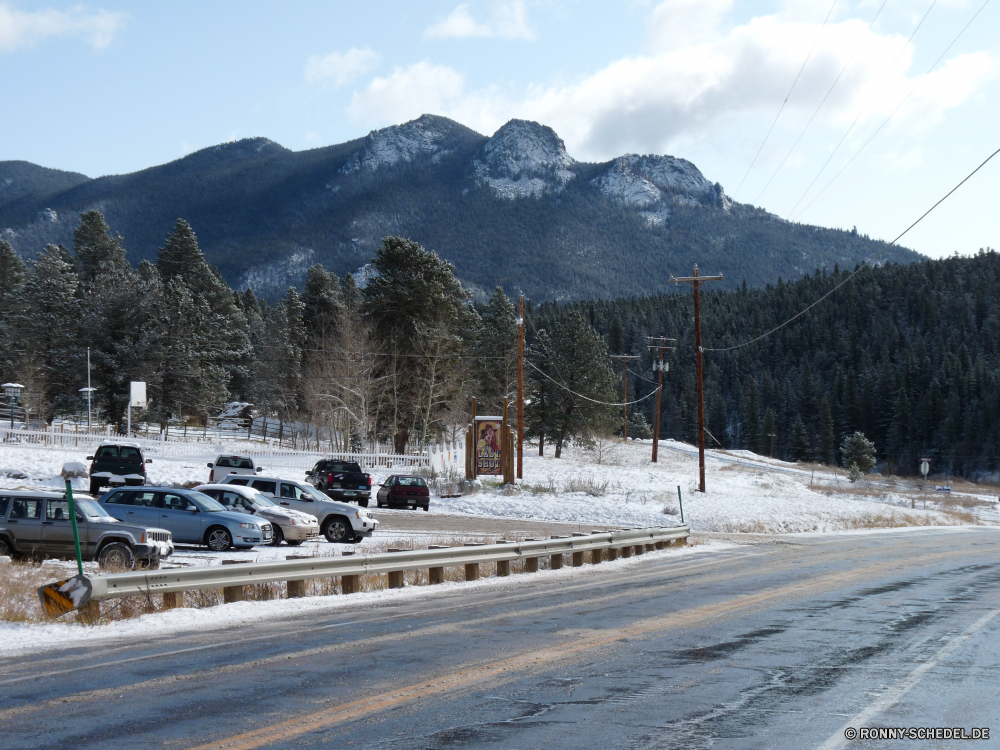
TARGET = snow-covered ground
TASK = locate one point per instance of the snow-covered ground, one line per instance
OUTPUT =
(616, 485)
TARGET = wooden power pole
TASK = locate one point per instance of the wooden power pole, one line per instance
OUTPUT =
(660, 345)
(696, 281)
(625, 358)
(520, 388)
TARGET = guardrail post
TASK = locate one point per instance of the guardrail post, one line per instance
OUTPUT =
(472, 569)
(626, 551)
(531, 563)
(578, 556)
(556, 560)
(436, 574)
(650, 548)
(232, 594)
(295, 589)
(662, 544)
(503, 566)
(349, 584)
(639, 548)
(395, 576)
(612, 554)
(596, 555)
(173, 600)
(682, 542)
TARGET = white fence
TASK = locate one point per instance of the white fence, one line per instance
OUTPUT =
(265, 455)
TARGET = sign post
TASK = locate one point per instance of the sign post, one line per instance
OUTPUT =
(925, 468)
(136, 398)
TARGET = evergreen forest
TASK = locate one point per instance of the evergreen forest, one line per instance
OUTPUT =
(907, 354)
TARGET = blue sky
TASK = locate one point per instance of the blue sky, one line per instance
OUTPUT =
(114, 87)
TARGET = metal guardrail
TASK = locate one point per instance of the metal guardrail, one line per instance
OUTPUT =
(169, 581)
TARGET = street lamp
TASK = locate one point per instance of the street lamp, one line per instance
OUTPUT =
(13, 393)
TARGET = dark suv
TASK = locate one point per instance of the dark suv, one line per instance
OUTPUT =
(115, 464)
(341, 480)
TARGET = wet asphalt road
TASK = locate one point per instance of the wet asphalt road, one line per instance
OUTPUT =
(775, 644)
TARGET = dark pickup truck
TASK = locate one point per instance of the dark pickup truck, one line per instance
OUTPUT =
(341, 480)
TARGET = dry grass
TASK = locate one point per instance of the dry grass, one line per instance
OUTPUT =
(19, 582)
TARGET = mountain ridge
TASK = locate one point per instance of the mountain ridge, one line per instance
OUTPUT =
(514, 209)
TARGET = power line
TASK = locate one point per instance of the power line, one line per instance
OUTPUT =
(877, 130)
(587, 398)
(863, 265)
(785, 101)
(818, 108)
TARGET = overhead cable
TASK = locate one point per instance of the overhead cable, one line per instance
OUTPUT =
(862, 267)
(783, 103)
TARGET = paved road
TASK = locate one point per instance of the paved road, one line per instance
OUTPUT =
(779, 643)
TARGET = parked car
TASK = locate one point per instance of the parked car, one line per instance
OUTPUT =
(38, 524)
(341, 480)
(338, 522)
(288, 525)
(225, 465)
(403, 490)
(192, 517)
(115, 464)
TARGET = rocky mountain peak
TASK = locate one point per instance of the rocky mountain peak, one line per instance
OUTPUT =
(427, 136)
(524, 159)
(653, 182)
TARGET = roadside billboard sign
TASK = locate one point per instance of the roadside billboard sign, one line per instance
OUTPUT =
(489, 453)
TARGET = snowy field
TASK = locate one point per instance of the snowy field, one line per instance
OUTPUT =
(616, 485)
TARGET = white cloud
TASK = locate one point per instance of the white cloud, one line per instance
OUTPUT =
(509, 21)
(20, 29)
(700, 80)
(408, 93)
(340, 68)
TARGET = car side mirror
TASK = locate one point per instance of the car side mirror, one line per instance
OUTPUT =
(149, 460)
(193, 509)
(260, 468)
(268, 494)
(90, 458)
(209, 464)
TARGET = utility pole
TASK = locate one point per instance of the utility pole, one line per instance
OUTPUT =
(625, 358)
(660, 345)
(696, 281)
(520, 388)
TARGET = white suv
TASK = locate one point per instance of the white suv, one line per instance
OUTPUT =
(227, 465)
(338, 522)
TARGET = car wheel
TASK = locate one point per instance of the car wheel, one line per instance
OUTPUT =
(338, 530)
(278, 536)
(363, 502)
(427, 507)
(294, 543)
(95, 488)
(116, 556)
(218, 539)
(5, 549)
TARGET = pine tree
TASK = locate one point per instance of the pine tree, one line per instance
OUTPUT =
(97, 252)
(859, 451)
(46, 318)
(827, 437)
(718, 424)
(801, 446)
(13, 273)
(324, 306)
(495, 351)
(751, 417)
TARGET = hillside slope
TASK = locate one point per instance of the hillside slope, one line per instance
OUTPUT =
(513, 209)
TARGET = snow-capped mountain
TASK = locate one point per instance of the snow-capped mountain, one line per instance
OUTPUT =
(399, 144)
(524, 159)
(514, 208)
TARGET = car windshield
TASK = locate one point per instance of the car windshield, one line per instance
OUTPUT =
(91, 508)
(262, 499)
(204, 502)
(341, 466)
(410, 482)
